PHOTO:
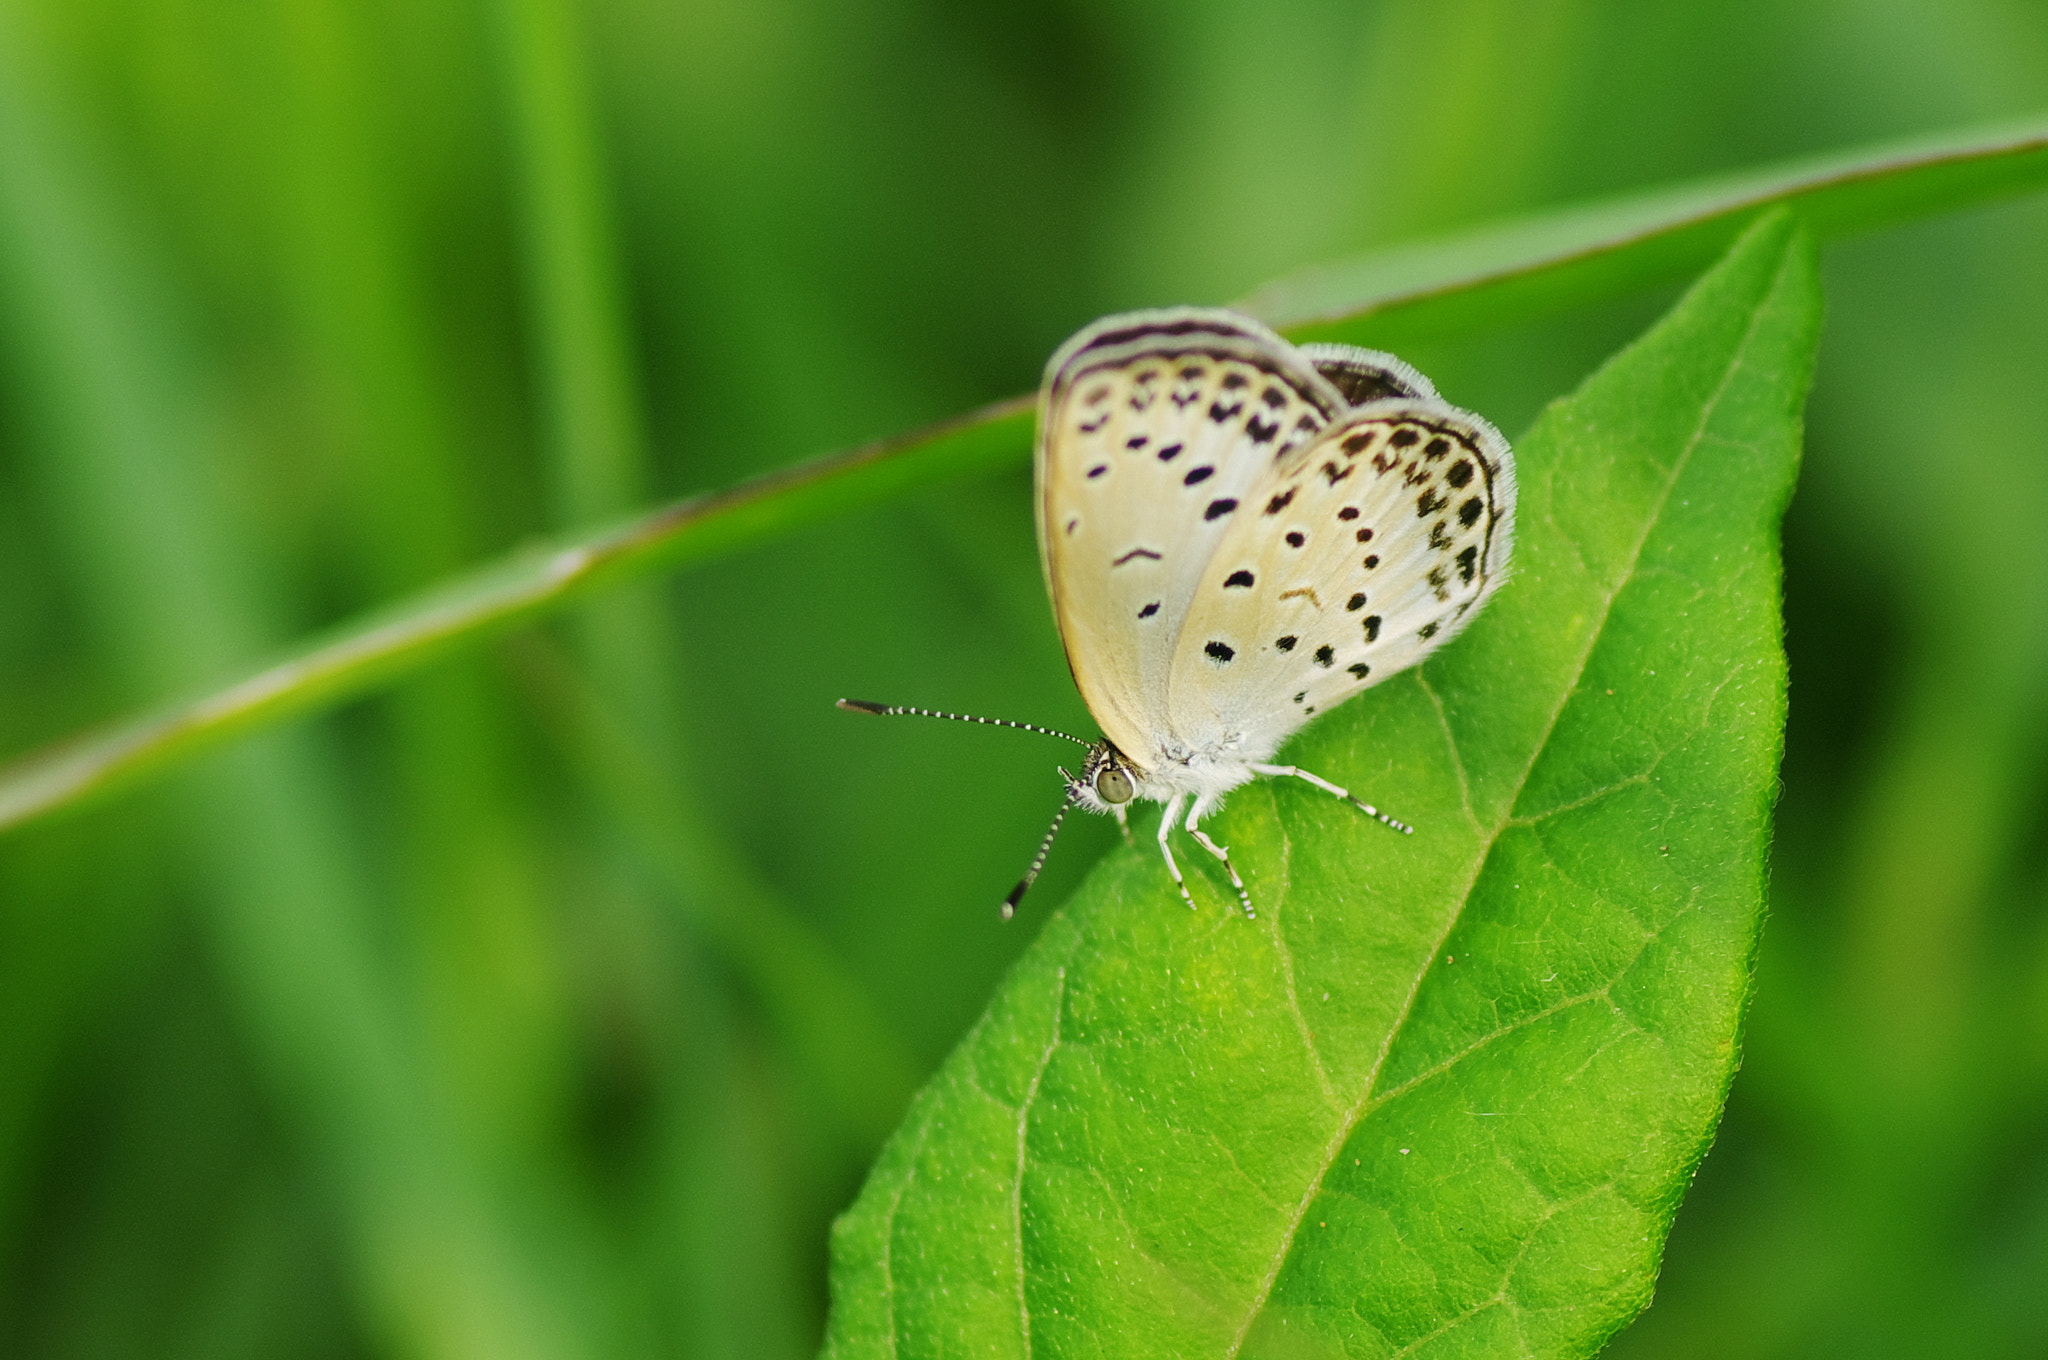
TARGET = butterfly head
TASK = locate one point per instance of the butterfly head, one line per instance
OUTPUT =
(1107, 781)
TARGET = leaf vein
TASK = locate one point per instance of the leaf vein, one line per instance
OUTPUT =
(1059, 997)
(1535, 819)
(1485, 1040)
(924, 1127)
(1451, 1324)
(1608, 595)
(1287, 975)
(1443, 720)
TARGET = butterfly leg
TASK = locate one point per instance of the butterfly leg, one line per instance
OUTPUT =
(1123, 821)
(1327, 787)
(1166, 826)
(1221, 852)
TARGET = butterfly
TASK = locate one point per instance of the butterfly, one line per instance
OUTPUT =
(1239, 533)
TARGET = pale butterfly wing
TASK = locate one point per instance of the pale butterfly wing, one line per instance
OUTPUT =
(1238, 534)
(1366, 375)
(1353, 558)
(1154, 430)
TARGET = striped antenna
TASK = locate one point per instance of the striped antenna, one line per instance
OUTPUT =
(893, 710)
(1038, 860)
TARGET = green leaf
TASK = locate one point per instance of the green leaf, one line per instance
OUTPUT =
(1443, 1095)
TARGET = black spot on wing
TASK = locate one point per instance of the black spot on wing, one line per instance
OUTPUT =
(1356, 602)
(1219, 508)
(1348, 512)
(1295, 538)
(1149, 610)
(1280, 502)
(1169, 453)
(1325, 654)
(1359, 669)
(1468, 564)
(1470, 511)
(1460, 474)
(1259, 431)
(1239, 579)
(1286, 644)
(1097, 471)
(1134, 553)
(1372, 628)
(1198, 475)
(1218, 652)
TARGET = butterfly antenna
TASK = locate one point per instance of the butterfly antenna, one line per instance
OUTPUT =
(893, 710)
(1037, 860)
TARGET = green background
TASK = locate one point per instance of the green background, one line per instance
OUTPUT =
(552, 1003)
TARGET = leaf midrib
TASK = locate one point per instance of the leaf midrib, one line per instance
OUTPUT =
(1059, 1001)
(1361, 1109)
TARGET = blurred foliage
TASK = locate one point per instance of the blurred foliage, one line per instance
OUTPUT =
(551, 1004)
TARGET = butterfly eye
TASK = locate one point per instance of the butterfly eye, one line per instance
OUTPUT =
(1113, 786)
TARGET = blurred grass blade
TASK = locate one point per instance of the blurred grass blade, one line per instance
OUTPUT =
(596, 446)
(109, 363)
(831, 1031)
(612, 715)
(1548, 262)
(579, 316)
(393, 642)
(1443, 1096)
(1554, 260)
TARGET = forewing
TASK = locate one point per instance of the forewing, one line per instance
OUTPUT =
(1350, 561)
(1153, 429)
